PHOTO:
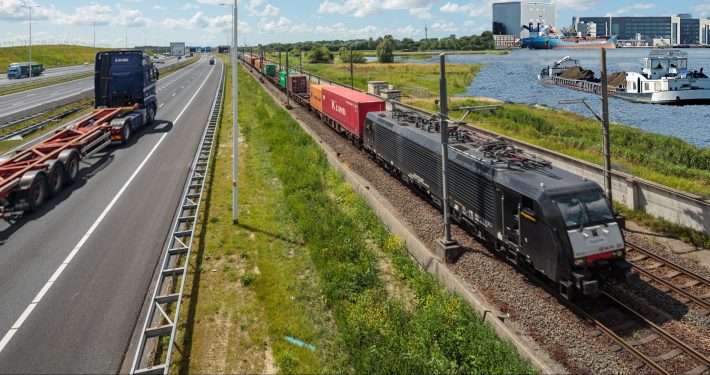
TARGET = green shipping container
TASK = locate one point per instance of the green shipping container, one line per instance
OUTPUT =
(270, 69)
(282, 76)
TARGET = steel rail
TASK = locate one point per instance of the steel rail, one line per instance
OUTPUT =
(666, 281)
(662, 332)
(164, 311)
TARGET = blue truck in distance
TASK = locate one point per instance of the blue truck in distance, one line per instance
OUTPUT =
(126, 79)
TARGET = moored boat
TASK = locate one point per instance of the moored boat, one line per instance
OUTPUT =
(666, 79)
(545, 37)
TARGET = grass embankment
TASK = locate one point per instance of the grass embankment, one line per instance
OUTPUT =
(329, 273)
(10, 144)
(49, 55)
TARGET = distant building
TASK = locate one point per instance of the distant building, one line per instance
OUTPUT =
(222, 49)
(671, 30)
(509, 18)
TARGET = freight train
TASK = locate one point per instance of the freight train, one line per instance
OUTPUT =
(534, 214)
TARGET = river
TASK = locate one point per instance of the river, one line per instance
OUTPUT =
(513, 78)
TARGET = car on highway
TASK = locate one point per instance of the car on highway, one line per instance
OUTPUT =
(212, 61)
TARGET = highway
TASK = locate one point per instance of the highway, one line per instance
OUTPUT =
(66, 70)
(49, 73)
(25, 103)
(75, 274)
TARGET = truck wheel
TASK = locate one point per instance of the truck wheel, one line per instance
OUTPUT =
(70, 160)
(56, 178)
(36, 191)
(126, 130)
(151, 114)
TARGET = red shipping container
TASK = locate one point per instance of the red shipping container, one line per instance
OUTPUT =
(348, 107)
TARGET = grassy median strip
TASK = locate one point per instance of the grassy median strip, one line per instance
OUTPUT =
(311, 260)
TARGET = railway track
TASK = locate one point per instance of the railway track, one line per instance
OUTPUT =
(685, 285)
(656, 349)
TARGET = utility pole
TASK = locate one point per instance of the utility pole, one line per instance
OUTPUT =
(94, 38)
(605, 126)
(126, 27)
(446, 248)
(288, 103)
(280, 66)
(351, 67)
(235, 123)
(300, 59)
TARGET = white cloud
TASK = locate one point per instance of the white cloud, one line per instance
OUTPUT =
(188, 6)
(281, 25)
(625, 10)
(363, 8)
(421, 13)
(159, 7)
(474, 9)
(448, 27)
(576, 4)
(703, 9)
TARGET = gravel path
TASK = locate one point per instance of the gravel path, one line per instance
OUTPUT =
(568, 340)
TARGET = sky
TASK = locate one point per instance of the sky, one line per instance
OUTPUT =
(208, 22)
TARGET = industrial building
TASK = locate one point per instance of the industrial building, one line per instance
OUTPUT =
(682, 29)
(509, 18)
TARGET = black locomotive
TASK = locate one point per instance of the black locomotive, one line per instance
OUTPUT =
(535, 214)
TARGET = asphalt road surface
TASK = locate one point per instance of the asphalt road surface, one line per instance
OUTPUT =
(74, 275)
(28, 102)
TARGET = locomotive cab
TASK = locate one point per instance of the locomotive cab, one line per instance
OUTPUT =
(594, 244)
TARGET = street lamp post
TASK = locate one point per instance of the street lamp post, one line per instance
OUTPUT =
(235, 123)
(30, 6)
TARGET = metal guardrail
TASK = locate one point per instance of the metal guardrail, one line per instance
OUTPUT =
(164, 311)
(34, 127)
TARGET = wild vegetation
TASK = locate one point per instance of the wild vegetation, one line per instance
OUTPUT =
(319, 220)
(49, 55)
(450, 43)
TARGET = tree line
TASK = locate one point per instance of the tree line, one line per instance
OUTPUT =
(325, 50)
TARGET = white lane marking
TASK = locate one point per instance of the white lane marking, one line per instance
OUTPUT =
(183, 86)
(25, 314)
(161, 105)
(39, 104)
(173, 94)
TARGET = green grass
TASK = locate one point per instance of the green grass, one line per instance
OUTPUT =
(666, 160)
(439, 332)
(419, 80)
(49, 55)
(254, 283)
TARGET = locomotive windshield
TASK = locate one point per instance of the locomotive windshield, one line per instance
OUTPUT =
(585, 209)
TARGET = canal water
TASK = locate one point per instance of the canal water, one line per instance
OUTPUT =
(513, 78)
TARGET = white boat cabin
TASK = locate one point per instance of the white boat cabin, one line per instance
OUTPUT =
(665, 70)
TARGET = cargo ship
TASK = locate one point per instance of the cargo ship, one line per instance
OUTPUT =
(545, 37)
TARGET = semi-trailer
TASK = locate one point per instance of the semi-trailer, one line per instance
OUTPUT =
(125, 100)
(22, 70)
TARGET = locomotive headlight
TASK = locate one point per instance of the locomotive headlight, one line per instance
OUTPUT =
(617, 253)
(580, 262)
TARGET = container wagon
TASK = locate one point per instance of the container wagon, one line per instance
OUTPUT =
(125, 99)
(344, 110)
